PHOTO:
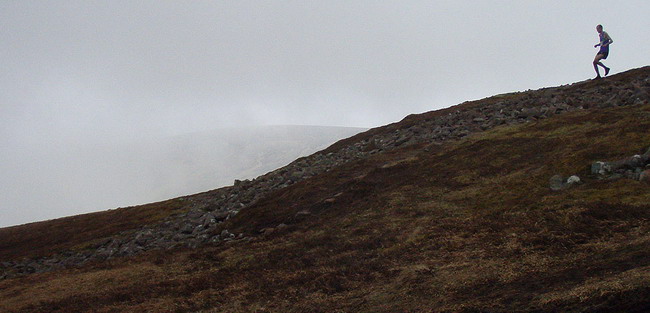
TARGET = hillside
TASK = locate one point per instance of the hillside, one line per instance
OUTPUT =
(447, 211)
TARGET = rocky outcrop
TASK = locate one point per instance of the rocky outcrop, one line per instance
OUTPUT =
(636, 167)
(206, 211)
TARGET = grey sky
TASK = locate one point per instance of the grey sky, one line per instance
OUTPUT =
(73, 73)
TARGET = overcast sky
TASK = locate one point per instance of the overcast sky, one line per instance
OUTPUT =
(77, 72)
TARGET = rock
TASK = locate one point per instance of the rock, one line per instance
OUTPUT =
(556, 183)
(631, 168)
(636, 161)
(187, 228)
(401, 141)
(197, 230)
(226, 234)
(142, 237)
(129, 249)
(625, 164)
(220, 216)
(597, 168)
(573, 180)
(180, 237)
(208, 220)
(195, 214)
(645, 176)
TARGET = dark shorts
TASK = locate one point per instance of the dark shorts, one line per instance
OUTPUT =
(604, 53)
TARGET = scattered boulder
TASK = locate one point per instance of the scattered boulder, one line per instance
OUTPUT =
(572, 180)
(225, 234)
(143, 237)
(557, 182)
(645, 176)
(187, 228)
(634, 167)
(599, 168)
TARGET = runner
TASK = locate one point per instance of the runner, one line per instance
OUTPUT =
(602, 54)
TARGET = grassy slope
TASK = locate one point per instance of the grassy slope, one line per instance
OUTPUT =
(465, 226)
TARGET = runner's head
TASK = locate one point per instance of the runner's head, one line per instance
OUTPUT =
(599, 28)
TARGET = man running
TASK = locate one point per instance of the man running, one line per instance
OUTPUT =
(602, 54)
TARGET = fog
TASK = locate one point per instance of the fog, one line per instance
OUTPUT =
(80, 80)
(78, 177)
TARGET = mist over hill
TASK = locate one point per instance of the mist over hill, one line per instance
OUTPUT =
(52, 180)
(206, 160)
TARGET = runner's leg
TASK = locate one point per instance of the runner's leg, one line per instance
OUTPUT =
(597, 62)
